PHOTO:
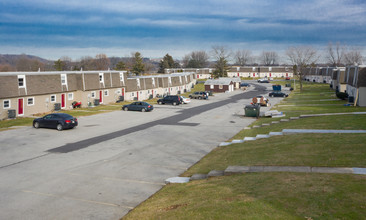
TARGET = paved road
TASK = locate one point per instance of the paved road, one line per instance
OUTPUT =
(112, 161)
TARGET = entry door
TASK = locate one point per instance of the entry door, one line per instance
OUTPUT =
(152, 93)
(100, 96)
(123, 91)
(63, 100)
(137, 95)
(20, 106)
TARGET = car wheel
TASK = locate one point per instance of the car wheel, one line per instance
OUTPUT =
(125, 108)
(143, 110)
(200, 97)
(36, 124)
(160, 103)
(59, 127)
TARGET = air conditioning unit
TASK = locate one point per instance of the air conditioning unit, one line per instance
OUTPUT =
(57, 106)
(11, 113)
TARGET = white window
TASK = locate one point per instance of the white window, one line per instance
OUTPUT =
(30, 101)
(153, 81)
(21, 81)
(106, 93)
(6, 104)
(70, 96)
(253, 69)
(221, 86)
(101, 77)
(212, 86)
(270, 69)
(93, 94)
(53, 98)
(138, 83)
(133, 94)
(180, 79)
(170, 80)
(63, 79)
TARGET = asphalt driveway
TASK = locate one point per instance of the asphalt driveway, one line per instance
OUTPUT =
(111, 162)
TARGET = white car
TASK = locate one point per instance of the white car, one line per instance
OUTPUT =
(185, 100)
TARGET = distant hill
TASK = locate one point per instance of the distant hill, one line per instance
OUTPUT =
(12, 59)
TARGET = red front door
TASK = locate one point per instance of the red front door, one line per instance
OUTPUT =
(123, 91)
(198, 76)
(20, 106)
(63, 100)
(100, 96)
(286, 74)
(238, 74)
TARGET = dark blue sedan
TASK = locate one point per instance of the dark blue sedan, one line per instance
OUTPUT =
(59, 121)
(138, 106)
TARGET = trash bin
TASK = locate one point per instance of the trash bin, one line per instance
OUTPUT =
(351, 99)
(252, 110)
(96, 102)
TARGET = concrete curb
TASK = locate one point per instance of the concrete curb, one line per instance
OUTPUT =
(231, 170)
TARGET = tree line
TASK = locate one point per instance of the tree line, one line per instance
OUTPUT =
(218, 58)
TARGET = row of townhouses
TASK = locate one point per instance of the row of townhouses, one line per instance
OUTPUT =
(200, 73)
(29, 93)
(350, 79)
(246, 71)
(261, 71)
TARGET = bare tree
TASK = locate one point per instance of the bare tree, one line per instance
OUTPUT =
(27, 64)
(243, 57)
(196, 59)
(335, 54)
(221, 54)
(87, 63)
(353, 56)
(6, 68)
(68, 62)
(102, 62)
(301, 57)
(269, 58)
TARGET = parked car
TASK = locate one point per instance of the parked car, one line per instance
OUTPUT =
(185, 100)
(59, 121)
(277, 94)
(138, 106)
(170, 99)
(263, 80)
(199, 95)
(244, 85)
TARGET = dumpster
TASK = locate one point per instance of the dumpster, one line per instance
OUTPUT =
(276, 87)
(252, 110)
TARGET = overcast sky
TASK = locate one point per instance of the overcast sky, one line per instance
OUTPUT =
(55, 28)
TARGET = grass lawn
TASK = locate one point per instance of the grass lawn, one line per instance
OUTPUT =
(260, 196)
(277, 195)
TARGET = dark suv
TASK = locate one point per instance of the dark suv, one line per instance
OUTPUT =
(170, 99)
(199, 95)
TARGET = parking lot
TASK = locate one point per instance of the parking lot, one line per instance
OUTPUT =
(113, 161)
